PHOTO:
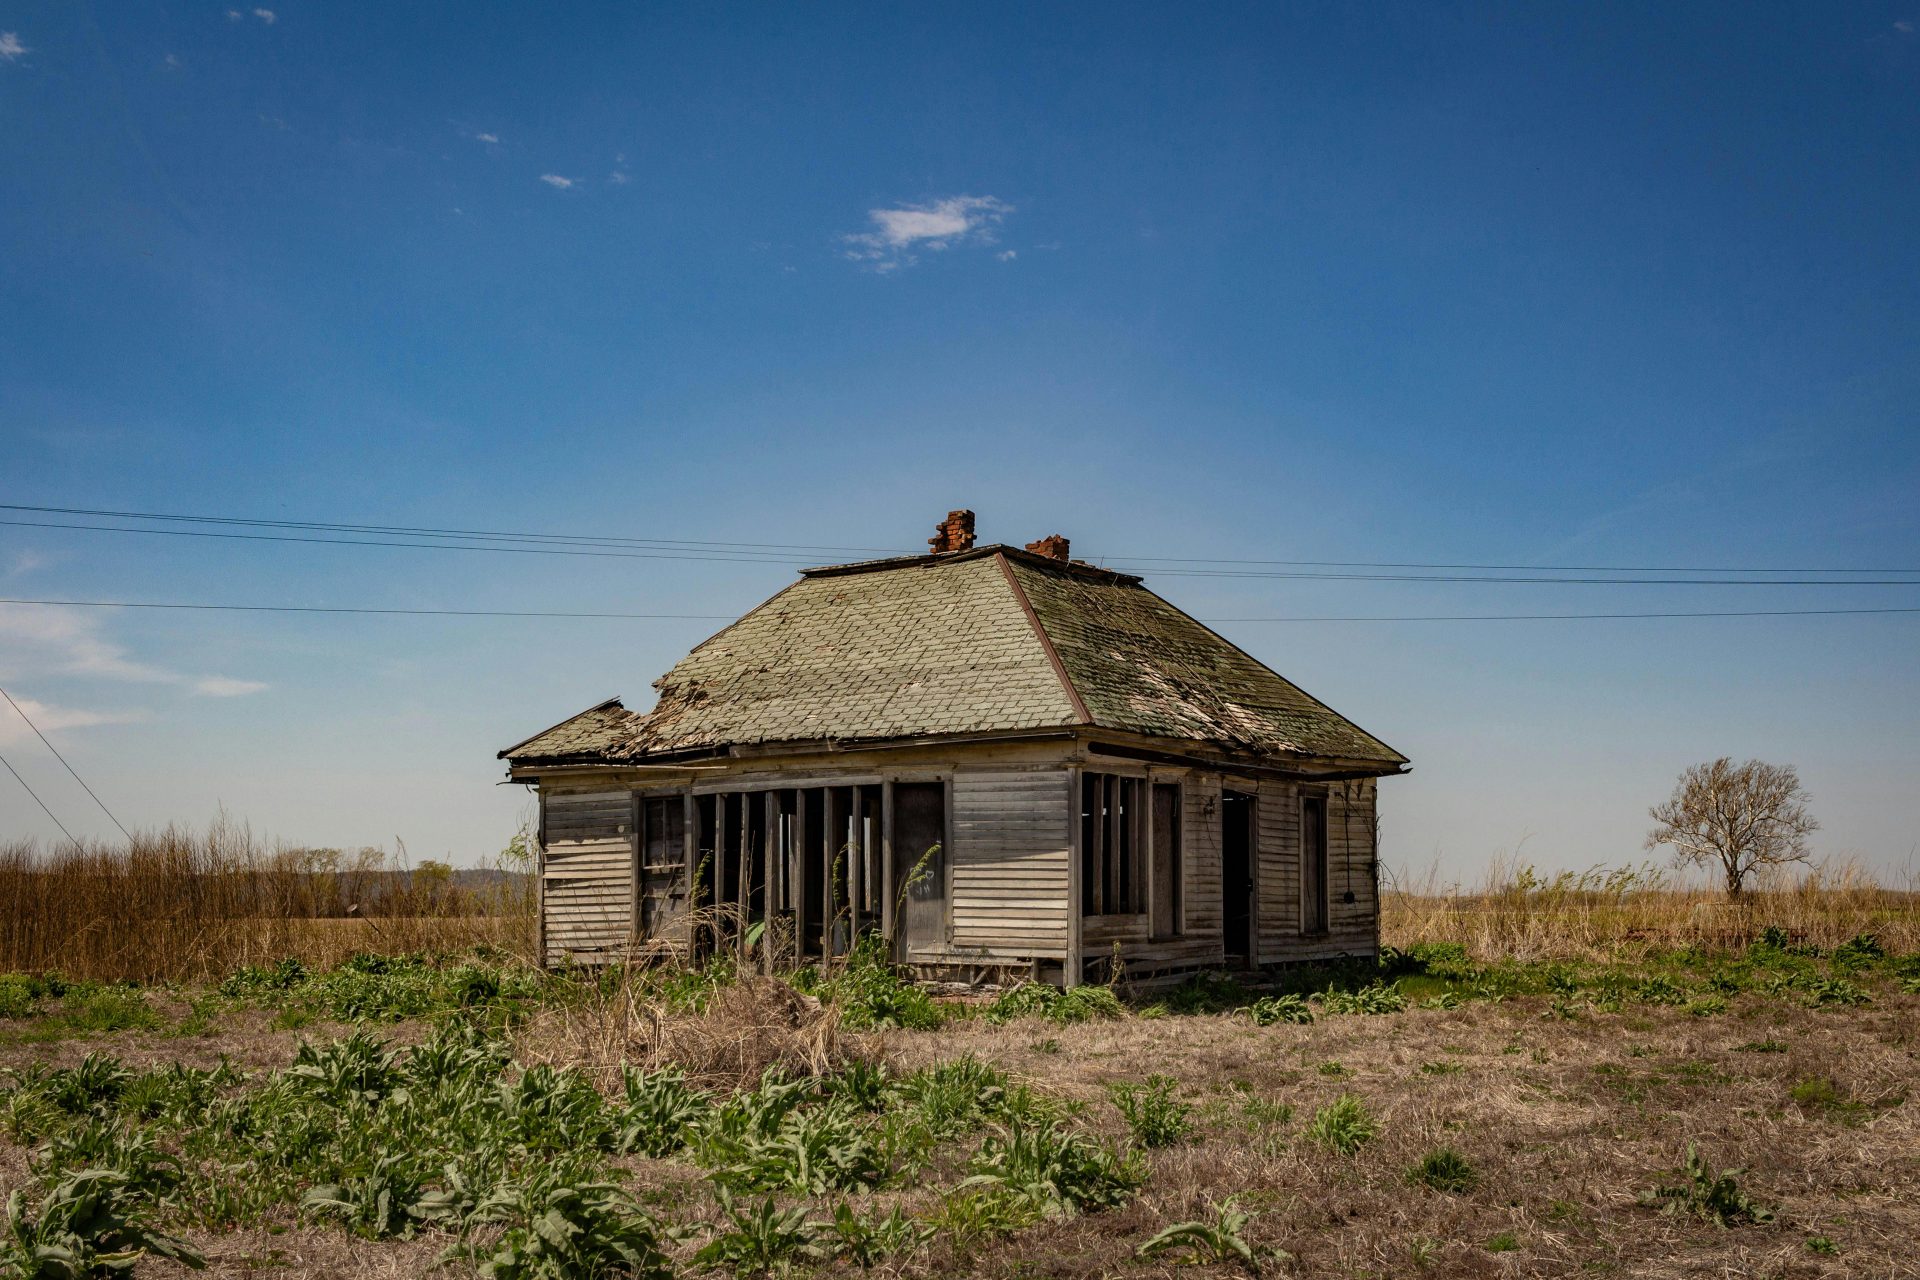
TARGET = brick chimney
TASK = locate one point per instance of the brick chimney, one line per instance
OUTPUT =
(1053, 546)
(955, 533)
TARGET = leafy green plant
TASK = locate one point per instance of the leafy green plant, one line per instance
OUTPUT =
(390, 1200)
(1704, 1194)
(568, 1231)
(1505, 1242)
(1376, 997)
(359, 1066)
(114, 1008)
(1268, 1011)
(660, 1109)
(954, 1097)
(19, 996)
(1154, 1116)
(870, 992)
(550, 1109)
(1052, 1167)
(1859, 952)
(978, 1213)
(1221, 1240)
(865, 1241)
(1822, 1245)
(92, 1224)
(867, 1086)
(1041, 1000)
(815, 1150)
(1444, 1169)
(763, 1239)
(1822, 992)
(1343, 1125)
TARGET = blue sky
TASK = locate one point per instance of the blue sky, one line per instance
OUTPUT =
(1607, 285)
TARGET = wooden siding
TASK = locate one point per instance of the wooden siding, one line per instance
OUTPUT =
(586, 873)
(1009, 866)
(1351, 926)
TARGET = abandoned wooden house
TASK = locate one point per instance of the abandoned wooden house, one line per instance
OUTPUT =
(1008, 763)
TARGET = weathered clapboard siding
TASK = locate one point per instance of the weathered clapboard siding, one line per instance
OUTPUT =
(1353, 926)
(586, 873)
(1200, 809)
(1009, 864)
(1350, 925)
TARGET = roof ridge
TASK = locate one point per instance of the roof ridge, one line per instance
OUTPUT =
(1046, 641)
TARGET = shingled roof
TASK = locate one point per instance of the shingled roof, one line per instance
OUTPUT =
(994, 639)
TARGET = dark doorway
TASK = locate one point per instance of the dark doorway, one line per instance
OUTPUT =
(919, 865)
(1236, 876)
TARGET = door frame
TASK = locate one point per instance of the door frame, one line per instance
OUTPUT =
(1251, 960)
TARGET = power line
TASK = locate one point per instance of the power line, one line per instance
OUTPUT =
(777, 552)
(1573, 617)
(769, 558)
(63, 760)
(728, 617)
(416, 613)
(429, 546)
(440, 532)
(37, 800)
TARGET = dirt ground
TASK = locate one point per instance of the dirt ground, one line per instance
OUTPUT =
(1566, 1122)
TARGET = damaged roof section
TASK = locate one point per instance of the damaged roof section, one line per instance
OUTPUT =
(985, 640)
(586, 737)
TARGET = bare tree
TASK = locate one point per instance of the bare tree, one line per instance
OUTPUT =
(1738, 816)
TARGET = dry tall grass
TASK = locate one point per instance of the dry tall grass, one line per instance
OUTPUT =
(1519, 913)
(179, 905)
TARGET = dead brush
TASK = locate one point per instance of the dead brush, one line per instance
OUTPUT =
(743, 1028)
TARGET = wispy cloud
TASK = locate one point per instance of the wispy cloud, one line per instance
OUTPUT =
(1007, 255)
(25, 562)
(486, 137)
(555, 180)
(900, 234)
(49, 718)
(55, 641)
(226, 687)
(10, 46)
(265, 15)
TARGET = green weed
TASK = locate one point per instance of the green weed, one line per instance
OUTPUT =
(1343, 1125)
(1702, 1193)
(1154, 1116)
(1444, 1169)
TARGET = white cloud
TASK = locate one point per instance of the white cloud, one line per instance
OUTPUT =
(555, 180)
(1007, 255)
(619, 178)
(486, 137)
(10, 46)
(265, 15)
(226, 687)
(51, 719)
(900, 234)
(234, 15)
(57, 641)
